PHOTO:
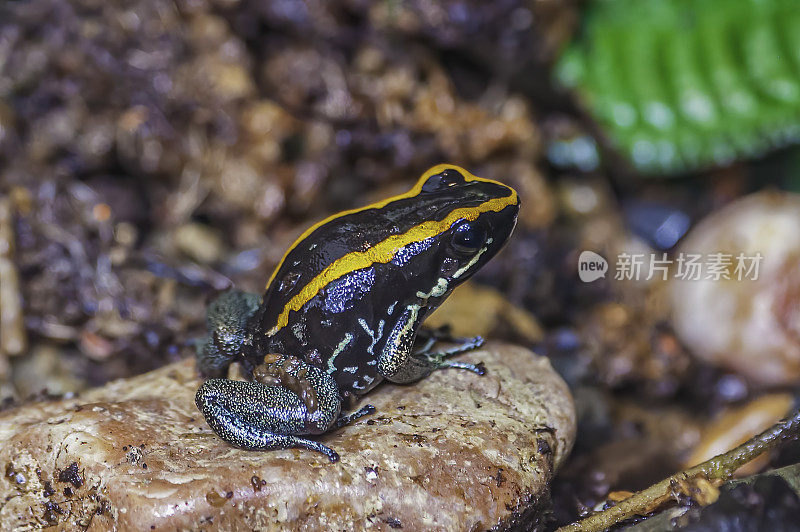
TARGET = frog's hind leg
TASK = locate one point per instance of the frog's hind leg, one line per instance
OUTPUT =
(291, 399)
(247, 433)
(227, 319)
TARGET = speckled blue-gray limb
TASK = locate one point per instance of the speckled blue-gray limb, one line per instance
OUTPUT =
(255, 416)
(228, 316)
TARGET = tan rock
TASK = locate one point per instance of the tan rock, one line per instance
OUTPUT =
(455, 451)
(737, 425)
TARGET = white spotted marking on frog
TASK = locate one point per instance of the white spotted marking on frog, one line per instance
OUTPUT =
(436, 291)
(375, 336)
(298, 331)
(339, 348)
(472, 262)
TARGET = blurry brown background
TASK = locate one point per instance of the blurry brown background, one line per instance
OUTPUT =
(153, 153)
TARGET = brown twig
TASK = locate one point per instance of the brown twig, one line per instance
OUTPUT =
(719, 468)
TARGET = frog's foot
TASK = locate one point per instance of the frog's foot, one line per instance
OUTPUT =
(260, 416)
(430, 336)
(346, 419)
(439, 358)
(463, 345)
(442, 334)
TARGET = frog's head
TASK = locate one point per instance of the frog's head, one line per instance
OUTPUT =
(462, 222)
(411, 249)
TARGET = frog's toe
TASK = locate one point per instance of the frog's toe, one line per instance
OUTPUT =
(312, 445)
(349, 418)
(478, 369)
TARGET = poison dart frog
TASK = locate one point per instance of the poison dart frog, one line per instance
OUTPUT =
(343, 311)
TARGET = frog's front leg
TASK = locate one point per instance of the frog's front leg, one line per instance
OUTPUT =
(227, 319)
(288, 398)
(430, 337)
(400, 363)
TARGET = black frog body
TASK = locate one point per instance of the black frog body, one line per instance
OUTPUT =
(342, 310)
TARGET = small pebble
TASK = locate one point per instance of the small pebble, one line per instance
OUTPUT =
(745, 314)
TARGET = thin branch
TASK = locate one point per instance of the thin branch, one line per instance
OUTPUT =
(719, 468)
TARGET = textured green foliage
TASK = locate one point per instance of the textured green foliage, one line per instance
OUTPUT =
(684, 84)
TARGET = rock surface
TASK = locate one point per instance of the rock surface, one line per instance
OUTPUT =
(454, 451)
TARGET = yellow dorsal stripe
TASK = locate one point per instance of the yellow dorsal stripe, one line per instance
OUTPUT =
(410, 194)
(384, 251)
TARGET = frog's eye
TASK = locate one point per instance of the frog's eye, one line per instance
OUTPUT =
(469, 237)
(443, 180)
